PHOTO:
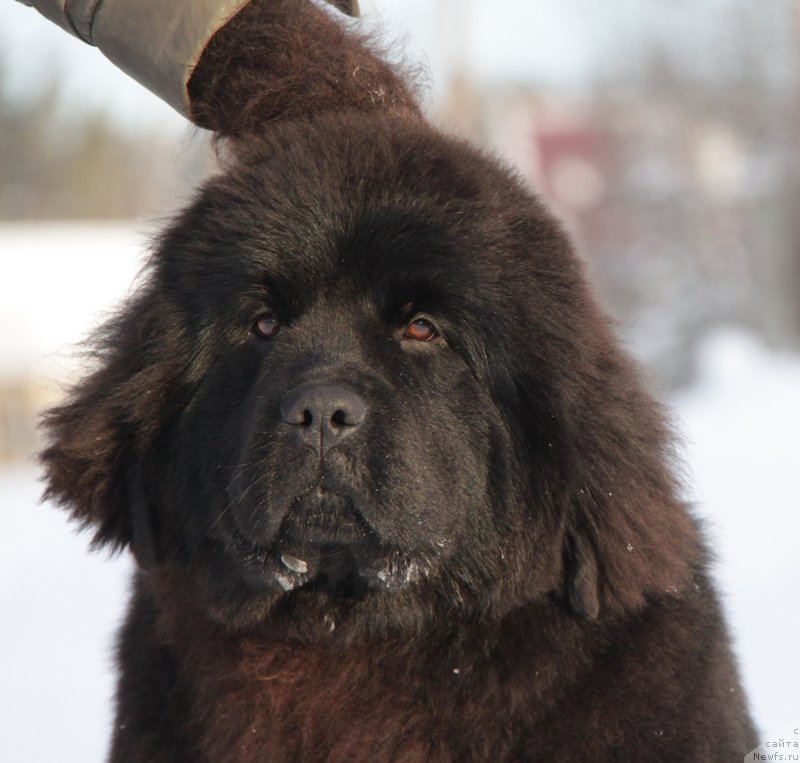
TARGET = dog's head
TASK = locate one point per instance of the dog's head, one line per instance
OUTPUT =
(364, 384)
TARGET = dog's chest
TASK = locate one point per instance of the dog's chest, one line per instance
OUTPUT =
(287, 703)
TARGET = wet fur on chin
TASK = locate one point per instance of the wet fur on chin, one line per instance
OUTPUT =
(518, 578)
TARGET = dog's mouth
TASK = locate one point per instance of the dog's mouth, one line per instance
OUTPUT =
(325, 546)
(341, 571)
(333, 569)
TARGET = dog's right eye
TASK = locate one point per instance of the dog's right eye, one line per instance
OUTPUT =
(266, 326)
(421, 330)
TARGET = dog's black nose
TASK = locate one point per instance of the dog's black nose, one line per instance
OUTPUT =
(322, 416)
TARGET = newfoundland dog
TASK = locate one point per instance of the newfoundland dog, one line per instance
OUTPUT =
(394, 491)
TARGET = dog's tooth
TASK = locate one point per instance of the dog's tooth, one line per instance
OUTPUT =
(294, 564)
(286, 583)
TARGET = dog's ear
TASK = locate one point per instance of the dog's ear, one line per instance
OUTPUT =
(628, 534)
(625, 544)
(599, 454)
(281, 60)
(87, 461)
(603, 456)
(96, 438)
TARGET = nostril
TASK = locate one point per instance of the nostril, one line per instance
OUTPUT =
(345, 418)
(308, 418)
(350, 412)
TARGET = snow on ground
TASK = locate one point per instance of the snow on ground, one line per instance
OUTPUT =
(741, 422)
(61, 605)
(56, 282)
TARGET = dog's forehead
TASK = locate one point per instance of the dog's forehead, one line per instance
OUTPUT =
(388, 250)
(369, 216)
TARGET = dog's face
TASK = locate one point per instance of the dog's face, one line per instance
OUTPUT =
(348, 397)
(344, 440)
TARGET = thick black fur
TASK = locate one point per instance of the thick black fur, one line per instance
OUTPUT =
(493, 565)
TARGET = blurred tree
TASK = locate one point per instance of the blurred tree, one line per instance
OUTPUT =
(81, 165)
(706, 145)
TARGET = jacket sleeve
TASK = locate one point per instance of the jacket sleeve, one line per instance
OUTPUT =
(157, 42)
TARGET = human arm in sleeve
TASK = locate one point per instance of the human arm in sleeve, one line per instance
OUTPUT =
(157, 42)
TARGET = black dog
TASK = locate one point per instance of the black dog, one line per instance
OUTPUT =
(395, 492)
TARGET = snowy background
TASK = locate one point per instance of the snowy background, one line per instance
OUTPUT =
(61, 605)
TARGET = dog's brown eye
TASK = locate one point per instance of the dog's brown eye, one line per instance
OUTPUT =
(266, 326)
(421, 330)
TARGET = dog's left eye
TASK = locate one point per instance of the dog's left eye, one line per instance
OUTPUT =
(421, 330)
(266, 326)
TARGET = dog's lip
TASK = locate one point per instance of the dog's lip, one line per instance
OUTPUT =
(294, 562)
(299, 552)
(335, 570)
(347, 565)
(342, 570)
